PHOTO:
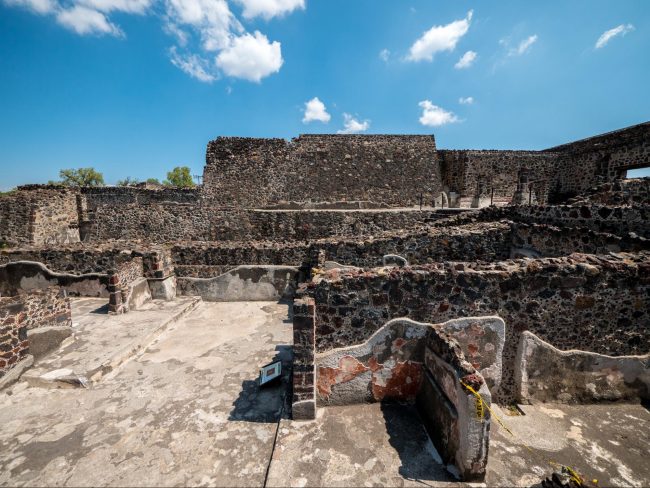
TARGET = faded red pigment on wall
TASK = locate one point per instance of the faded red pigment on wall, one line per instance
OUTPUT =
(399, 380)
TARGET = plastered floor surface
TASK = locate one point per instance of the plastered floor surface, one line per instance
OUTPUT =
(187, 411)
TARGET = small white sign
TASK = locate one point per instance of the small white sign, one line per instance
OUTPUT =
(270, 372)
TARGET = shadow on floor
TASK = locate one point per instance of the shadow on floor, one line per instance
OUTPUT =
(265, 404)
(103, 310)
(420, 460)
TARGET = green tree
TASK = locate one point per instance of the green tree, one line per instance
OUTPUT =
(81, 177)
(128, 181)
(180, 176)
(153, 181)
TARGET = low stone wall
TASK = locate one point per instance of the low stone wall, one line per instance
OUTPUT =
(552, 241)
(101, 258)
(46, 307)
(619, 221)
(481, 242)
(408, 361)
(210, 259)
(593, 303)
(200, 222)
(27, 276)
(389, 364)
(128, 288)
(244, 283)
(546, 374)
(454, 406)
(600, 218)
(634, 191)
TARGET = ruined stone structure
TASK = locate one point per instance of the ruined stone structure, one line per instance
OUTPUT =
(415, 272)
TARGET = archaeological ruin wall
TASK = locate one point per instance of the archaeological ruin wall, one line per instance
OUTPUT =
(602, 158)
(592, 303)
(387, 169)
(495, 174)
(39, 215)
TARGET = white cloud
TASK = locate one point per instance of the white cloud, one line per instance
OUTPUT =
(84, 20)
(434, 116)
(193, 65)
(315, 110)
(522, 47)
(175, 31)
(211, 18)
(37, 6)
(439, 38)
(466, 60)
(466, 100)
(606, 36)
(197, 26)
(384, 54)
(269, 8)
(251, 57)
(353, 126)
(129, 6)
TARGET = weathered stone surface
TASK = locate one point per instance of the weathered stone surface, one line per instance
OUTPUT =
(544, 373)
(244, 283)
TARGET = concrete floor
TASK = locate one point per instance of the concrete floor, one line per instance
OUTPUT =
(186, 410)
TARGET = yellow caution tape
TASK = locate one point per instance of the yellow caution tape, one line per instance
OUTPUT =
(480, 400)
(480, 403)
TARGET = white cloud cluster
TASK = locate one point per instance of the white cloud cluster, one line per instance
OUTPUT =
(434, 116)
(439, 38)
(608, 35)
(466, 60)
(37, 6)
(224, 45)
(251, 57)
(192, 64)
(84, 20)
(384, 55)
(315, 111)
(522, 47)
(466, 100)
(268, 9)
(353, 126)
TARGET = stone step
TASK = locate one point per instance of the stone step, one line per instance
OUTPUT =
(104, 342)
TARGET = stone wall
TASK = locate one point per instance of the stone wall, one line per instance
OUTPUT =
(83, 259)
(606, 157)
(39, 215)
(551, 241)
(600, 218)
(635, 191)
(593, 303)
(244, 283)
(468, 171)
(547, 374)
(26, 276)
(481, 242)
(254, 173)
(407, 361)
(188, 222)
(127, 286)
(25, 311)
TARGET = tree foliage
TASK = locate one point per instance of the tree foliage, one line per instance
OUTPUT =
(128, 181)
(153, 181)
(180, 176)
(81, 177)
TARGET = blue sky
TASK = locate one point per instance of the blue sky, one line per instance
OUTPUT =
(136, 87)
